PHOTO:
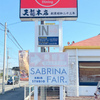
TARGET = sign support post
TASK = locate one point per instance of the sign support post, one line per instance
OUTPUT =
(35, 92)
(60, 37)
(43, 88)
(36, 36)
(61, 50)
(36, 50)
(61, 93)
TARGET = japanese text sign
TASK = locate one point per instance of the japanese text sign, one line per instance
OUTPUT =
(48, 10)
(48, 69)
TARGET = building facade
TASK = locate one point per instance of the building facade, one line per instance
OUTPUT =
(84, 67)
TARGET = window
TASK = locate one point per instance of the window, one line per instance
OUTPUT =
(89, 73)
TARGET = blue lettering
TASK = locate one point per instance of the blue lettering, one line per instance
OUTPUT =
(63, 71)
(58, 71)
(54, 80)
(38, 71)
(32, 71)
(48, 70)
(43, 71)
(43, 81)
(58, 78)
(61, 79)
(48, 78)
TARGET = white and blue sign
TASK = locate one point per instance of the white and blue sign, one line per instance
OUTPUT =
(48, 69)
(48, 35)
(48, 76)
(48, 40)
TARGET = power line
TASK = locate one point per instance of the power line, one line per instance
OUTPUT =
(20, 22)
(14, 23)
(88, 23)
(76, 21)
(13, 41)
(2, 24)
(12, 35)
(1, 29)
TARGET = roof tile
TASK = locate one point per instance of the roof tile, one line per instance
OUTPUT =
(94, 41)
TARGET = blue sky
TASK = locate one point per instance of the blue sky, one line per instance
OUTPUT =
(86, 26)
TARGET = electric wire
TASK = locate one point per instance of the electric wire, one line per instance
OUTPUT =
(1, 29)
(15, 40)
(12, 35)
(2, 24)
(88, 23)
(13, 23)
(76, 21)
(20, 22)
(12, 41)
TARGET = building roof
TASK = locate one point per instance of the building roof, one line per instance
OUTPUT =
(91, 43)
(15, 68)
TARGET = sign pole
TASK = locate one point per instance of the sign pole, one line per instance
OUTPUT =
(36, 36)
(43, 88)
(60, 37)
(61, 93)
(61, 50)
(36, 50)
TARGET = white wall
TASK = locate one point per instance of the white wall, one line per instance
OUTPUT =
(87, 90)
(83, 55)
(89, 52)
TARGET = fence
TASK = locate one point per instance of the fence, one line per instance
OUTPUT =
(28, 91)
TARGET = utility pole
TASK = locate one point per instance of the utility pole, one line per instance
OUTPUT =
(7, 61)
(4, 61)
(43, 88)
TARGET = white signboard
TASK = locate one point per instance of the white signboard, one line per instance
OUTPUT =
(48, 35)
(31, 10)
(48, 69)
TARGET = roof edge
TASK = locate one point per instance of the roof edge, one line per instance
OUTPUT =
(80, 47)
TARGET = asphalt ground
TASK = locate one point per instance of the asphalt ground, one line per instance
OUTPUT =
(9, 87)
(17, 94)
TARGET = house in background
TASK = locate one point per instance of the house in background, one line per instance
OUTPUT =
(10, 72)
(15, 71)
(84, 66)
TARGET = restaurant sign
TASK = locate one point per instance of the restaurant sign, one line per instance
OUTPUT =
(31, 10)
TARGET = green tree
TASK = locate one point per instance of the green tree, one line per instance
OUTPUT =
(1, 74)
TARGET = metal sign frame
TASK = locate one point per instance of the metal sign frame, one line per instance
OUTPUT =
(60, 50)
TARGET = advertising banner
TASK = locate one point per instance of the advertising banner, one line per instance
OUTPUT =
(48, 69)
(24, 65)
(48, 35)
(48, 10)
